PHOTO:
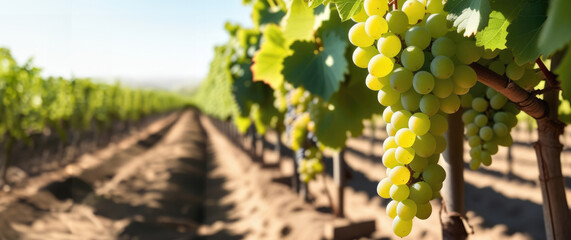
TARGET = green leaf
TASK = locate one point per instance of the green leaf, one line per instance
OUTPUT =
(320, 72)
(314, 3)
(268, 61)
(557, 30)
(263, 13)
(494, 35)
(353, 103)
(523, 32)
(246, 92)
(564, 74)
(348, 8)
(469, 16)
(299, 21)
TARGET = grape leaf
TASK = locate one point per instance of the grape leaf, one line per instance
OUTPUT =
(469, 16)
(299, 21)
(245, 91)
(348, 8)
(314, 3)
(320, 72)
(523, 32)
(353, 103)
(557, 30)
(263, 13)
(564, 74)
(494, 35)
(268, 61)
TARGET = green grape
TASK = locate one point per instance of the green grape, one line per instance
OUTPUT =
(450, 104)
(440, 144)
(423, 82)
(399, 192)
(389, 158)
(406, 209)
(476, 153)
(400, 119)
(387, 96)
(464, 76)
(419, 123)
(474, 141)
(373, 83)
(433, 159)
(486, 158)
(506, 57)
(391, 130)
(389, 45)
(399, 175)
(405, 155)
(497, 67)
(376, 7)
(389, 143)
(361, 16)
(486, 133)
(358, 36)
(491, 147)
(362, 56)
(375, 26)
(474, 164)
(392, 208)
(505, 141)
(429, 104)
(434, 6)
(498, 101)
(467, 52)
(438, 125)
(412, 58)
(443, 46)
(380, 65)
(489, 54)
(414, 10)
(424, 210)
(442, 67)
(472, 129)
(387, 114)
(434, 174)
(479, 104)
(500, 129)
(424, 145)
(417, 36)
(420, 192)
(437, 25)
(384, 188)
(481, 120)
(443, 88)
(405, 137)
(514, 72)
(398, 21)
(490, 93)
(469, 115)
(418, 164)
(410, 100)
(402, 227)
(401, 80)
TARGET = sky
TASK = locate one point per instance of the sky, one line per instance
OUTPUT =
(162, 43)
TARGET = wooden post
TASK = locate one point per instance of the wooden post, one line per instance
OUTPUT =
(453, 187)
(339, 178)
(295, 182)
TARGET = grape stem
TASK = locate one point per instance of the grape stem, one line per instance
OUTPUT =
(548, 74)
(395, 5)
(525, 100)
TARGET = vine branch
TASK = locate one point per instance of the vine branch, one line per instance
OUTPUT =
(552, 80)
(525, 101)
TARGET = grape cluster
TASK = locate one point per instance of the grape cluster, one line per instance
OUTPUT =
(419, 69)
(310, 165)
(488, 119)
(503, 63)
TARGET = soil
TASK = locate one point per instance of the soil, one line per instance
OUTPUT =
(182, 178)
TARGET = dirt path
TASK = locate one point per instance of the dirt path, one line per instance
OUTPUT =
(151, 189)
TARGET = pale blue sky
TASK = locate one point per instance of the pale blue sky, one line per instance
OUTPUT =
(165, 41)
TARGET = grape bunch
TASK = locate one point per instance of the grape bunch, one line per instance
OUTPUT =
(310, 165)
(419, 69)
(503, 63)
(488, 119)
